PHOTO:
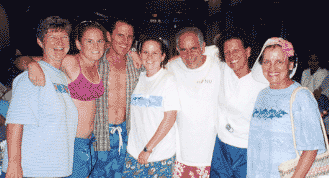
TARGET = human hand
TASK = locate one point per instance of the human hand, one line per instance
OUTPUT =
(14, 170)
(136, 59)
(143, 157)
(36, 75)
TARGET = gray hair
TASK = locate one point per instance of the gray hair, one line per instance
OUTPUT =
(192, 30)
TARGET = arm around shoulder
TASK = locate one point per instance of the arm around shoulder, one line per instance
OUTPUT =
(23, 62)
(71, 66)
(36, 74)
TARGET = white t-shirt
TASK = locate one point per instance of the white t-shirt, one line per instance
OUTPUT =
(237, 99)
(50, 121)
(152, 97)
(198, 92)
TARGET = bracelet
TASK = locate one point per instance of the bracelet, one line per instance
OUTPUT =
(147, 150)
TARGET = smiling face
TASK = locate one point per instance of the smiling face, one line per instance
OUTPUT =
(92, 44)
(276, 67)
(152, 57)
(190, 50)
(122, 38)
(55, 44)
(236, 56)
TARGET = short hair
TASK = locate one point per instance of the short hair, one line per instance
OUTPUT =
(293, 58)
(114, 25)
(192, 30)
(231, 33)
(84, 26)
(53, 22)
(163, 47)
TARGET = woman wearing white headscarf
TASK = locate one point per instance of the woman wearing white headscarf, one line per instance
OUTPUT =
(270, 135)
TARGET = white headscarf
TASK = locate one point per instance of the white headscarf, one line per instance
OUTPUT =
(257, 71)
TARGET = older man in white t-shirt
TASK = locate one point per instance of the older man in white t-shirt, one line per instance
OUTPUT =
(197, 74)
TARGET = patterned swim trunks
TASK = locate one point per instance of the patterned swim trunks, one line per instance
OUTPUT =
(182, 170)
(111, 163)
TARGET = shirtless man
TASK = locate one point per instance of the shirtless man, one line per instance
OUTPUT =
(113, 109)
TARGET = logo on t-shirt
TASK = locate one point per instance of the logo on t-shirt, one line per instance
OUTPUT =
(204, 81)
(146, 101)
(60, 88)
(264, 113)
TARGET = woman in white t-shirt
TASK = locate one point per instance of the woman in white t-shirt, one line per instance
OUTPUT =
(154, 105)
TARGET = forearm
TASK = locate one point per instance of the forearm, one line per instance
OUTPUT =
(305, 163)
(163, 129)
(23, 62)
(14, 143)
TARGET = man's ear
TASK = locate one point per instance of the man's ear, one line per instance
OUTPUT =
(78, 44)
(108, 36)
(40, 43)
(203, 47)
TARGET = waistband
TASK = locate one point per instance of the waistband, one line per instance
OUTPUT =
(118, 128)
(122, 125)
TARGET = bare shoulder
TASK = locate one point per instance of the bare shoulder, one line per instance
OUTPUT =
(71, 67)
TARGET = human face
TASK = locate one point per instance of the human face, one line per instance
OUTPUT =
(236, 56)
(55, 44)
(92, 44)
(122, 38)
(190, 50)
(276, 67)
(152, 56)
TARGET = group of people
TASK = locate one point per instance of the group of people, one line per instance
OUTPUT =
(204, 113)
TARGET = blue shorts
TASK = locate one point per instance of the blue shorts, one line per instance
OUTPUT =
(4, 105)
(162, 168)
(228, 161)
(84, 157)
(111, 163)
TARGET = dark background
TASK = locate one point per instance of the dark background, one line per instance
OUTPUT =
(302, 23)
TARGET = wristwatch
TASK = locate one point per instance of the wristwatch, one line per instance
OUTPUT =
(147, 150)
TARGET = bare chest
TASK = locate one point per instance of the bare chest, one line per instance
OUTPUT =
(116, 86)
